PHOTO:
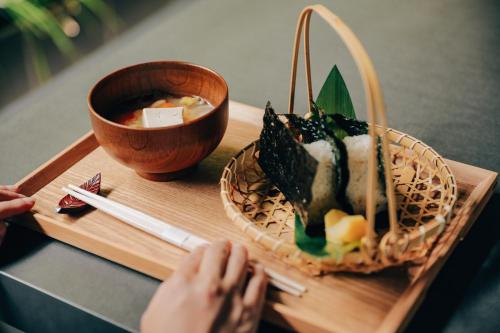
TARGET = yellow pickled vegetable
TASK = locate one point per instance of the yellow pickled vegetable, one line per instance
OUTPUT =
(350, 228)
(333, 217)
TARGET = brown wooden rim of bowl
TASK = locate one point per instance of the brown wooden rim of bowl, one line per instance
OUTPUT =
(123, 69)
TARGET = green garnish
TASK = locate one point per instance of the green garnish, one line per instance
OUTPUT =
(314, 245)
(334, 97)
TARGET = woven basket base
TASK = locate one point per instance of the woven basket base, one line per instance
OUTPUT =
(424, 190)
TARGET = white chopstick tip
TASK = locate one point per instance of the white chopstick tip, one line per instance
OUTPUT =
(285, 287)
(279, 277)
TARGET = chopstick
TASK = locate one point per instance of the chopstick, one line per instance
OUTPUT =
(167, 232)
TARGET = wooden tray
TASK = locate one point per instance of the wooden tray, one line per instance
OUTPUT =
(335, 303)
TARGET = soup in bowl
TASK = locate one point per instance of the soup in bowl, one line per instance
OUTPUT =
(160, 118)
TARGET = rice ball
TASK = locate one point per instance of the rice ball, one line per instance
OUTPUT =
(323, 189)
(358, 150)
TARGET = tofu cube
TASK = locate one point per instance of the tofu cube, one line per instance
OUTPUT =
(159, 117)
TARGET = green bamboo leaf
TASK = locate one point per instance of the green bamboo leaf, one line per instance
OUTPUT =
(334, 96)
(311, 245)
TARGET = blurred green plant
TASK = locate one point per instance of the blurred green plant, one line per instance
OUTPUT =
(56, 20)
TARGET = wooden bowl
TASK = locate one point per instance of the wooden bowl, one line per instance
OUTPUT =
(162, 153)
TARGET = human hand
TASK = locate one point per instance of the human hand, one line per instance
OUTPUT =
(208, 293)
(12, 203)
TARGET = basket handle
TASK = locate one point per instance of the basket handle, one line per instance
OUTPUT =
(374, 102)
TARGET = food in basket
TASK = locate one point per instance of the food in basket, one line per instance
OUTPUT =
(287, 183)
(343, 232)
(159, 110)
(320, 162)
(350, 228)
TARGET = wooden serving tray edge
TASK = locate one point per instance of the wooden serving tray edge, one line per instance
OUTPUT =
(395, 321)
(403, 311)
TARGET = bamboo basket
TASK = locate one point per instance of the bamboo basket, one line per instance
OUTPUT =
(420, 187)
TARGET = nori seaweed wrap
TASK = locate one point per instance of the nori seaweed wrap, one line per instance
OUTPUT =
(307, 159)
(293, 169)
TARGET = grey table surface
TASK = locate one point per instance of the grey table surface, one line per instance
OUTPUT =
(439, 67)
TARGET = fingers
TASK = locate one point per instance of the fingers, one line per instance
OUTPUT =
(236, 270)
(255, 294)
(9, 195)
(214, 261)
(12, 188)
(14, 207)
(253, 302)
(12, 203)
(191, 264)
